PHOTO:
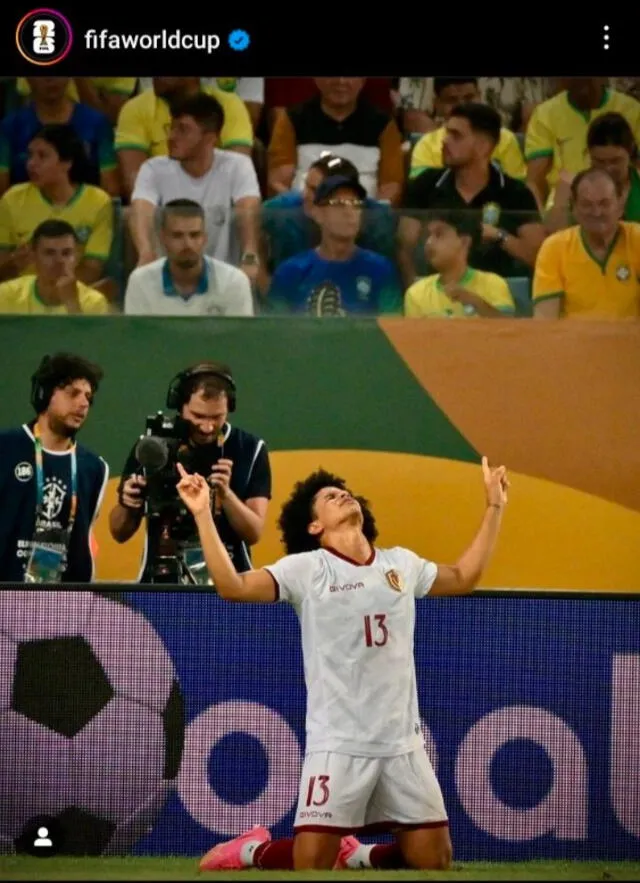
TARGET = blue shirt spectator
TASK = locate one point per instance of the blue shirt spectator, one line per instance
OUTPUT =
(365, 283)
(289, 227)
(338, 277)
(51, 103)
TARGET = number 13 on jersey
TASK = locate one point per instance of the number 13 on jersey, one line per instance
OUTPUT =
(376, 632)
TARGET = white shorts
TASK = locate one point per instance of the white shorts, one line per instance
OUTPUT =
(346, 794)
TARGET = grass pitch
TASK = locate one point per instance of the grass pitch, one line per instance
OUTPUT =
(170, 868)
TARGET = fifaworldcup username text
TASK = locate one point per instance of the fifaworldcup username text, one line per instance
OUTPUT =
(163, 39)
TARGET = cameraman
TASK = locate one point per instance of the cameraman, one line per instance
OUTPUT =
(235, 463)
(51, 487)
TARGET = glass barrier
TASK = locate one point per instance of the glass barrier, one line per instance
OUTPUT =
(299, 275)
(348, 260)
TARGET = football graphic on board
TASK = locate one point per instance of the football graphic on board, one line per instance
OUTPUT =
(91, 720)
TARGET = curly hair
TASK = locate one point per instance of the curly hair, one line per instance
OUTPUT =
(297, 513)
(58, 370)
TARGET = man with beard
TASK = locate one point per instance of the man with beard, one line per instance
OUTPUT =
(145, 121)
(51, 487)
(234, 462)
(505, 208)
(224, 183)
(187, 282)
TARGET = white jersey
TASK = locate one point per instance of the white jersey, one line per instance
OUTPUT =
(357, 624)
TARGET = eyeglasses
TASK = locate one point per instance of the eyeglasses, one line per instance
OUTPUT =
(345, 203)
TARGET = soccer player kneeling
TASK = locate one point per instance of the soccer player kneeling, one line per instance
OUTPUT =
(366, 767)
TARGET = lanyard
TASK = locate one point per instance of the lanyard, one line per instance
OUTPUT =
(40, 480)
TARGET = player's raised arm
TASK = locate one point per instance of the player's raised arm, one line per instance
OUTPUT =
(462, 577)
(254, 585)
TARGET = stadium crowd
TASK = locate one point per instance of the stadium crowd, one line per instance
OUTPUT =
(328, 196)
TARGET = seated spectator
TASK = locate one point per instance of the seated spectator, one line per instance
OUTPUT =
(591, 270)
(627, 85)
(288, 219)
(449, 93)
(513, 97)
(556, 138)
(249, 89)
(50, 104)
(337, 278)
(338, 119)
(187, 282)
(105, 94)
(281, 93)
(456, 290)
(612, 147)
(144, 123)
(222, 182)
(55, 190)
(511, 229)
(53, 288)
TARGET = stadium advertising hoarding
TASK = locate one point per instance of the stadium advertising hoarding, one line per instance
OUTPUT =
(179, 722)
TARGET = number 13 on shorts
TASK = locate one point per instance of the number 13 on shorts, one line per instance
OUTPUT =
(318, 790)
(343, 793)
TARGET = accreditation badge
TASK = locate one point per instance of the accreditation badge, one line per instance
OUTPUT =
(48, 558)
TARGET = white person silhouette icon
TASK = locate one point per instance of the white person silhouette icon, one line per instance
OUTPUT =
(43, 838)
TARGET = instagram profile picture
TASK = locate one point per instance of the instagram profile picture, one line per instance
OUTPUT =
(44, 37)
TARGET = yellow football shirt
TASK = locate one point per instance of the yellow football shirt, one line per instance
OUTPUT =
(21, 296)
(590, 289)
(227, 84)
(428, 154)
(559, 129)
(426, 298)
(144, 123)
(114, 85)
(89, 211)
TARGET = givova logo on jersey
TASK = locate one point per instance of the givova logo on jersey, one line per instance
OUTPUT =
(347, 587)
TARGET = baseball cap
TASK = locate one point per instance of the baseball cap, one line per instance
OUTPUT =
(334, 182)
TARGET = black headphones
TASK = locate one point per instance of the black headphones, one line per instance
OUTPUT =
(44, 382)
(42, 386)
(176, 394)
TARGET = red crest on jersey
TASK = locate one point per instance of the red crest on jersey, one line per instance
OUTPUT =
(394, 579)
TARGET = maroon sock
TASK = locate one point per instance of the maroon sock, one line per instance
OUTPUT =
(389, 858)
(275, 855)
